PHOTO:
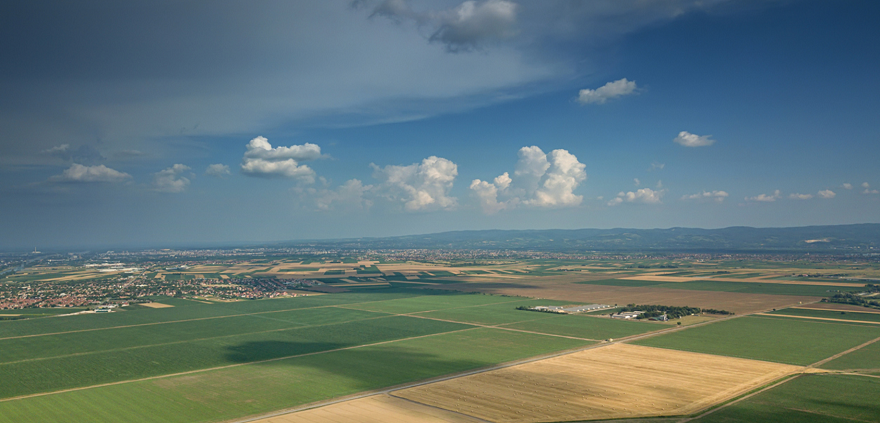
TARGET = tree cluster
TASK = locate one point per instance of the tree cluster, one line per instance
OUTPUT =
(852, 299)
(672, 312)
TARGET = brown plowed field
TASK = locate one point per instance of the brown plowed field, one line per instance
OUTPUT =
(563, 288)
(375, 409)
(617, 381)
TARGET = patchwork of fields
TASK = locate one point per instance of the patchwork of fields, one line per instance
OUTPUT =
(617, 381)
(207, 362)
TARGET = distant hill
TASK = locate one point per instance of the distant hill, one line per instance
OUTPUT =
(860, 238)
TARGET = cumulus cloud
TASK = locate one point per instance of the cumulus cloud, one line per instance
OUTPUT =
(643, 195)
(656, 166)
(419, 186)
(847, 185)
(611, 90)
(797, 196)
(827, 193)
(170, 180)
(688, 139)
(868, 189)
(766, 198)
(351, 194)
(540, 180)
(262, 160)
(217, 170)
(717, 196)
(100, 173)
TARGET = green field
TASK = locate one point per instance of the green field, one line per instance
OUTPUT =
(782, 340)
(808, 399)
(239, 391)
(49, 355)
(830, 314)
(865, 358)
(493, 314)
(597, 328)
(335, 272)
(432, 302)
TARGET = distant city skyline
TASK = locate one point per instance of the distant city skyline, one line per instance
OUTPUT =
(143, 123)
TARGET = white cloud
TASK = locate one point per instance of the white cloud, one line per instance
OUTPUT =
(218, 170)
(57, 149)
(656, 166)
(419, 186)
(868, 189)
(827, 193)
(643, 195)
(688, 139)
(847, 185)
(796, 196)
(765, 197)
(83, 154)
(100, 173)
(350, 194)
(717, 196)
(170, 180)
(611, 90)
(465, 27)
(565, 174)
(262, 160)
(636, 181)
(540, 180)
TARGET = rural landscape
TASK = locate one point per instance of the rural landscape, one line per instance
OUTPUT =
(298, 334)
(440, 211)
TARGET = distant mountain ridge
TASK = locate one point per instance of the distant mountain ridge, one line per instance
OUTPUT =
(856, 238)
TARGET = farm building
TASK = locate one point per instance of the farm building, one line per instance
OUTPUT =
(571, 309)
(627, 315)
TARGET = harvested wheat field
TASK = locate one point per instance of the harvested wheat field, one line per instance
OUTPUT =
(156, 305)
(617, 381)
(374, 409)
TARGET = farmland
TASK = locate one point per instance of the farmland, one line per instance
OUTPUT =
(783, 340)
(605, 383)
(807, 399)
(386, 324)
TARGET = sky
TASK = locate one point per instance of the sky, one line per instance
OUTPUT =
(207, 122)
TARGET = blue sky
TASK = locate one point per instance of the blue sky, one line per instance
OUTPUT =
(202, 122)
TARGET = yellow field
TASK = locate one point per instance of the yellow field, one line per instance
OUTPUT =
(612, 382)
(662, 278)
(375, 409)
(156, 305)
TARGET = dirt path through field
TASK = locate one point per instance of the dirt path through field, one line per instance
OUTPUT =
(817, 318)
(841, 354)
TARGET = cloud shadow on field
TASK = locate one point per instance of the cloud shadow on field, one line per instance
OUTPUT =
(364, 367)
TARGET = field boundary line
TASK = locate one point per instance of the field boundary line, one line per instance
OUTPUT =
(391, 394)
(191, 320)
(391, 389)
(501, 328)
(193, 340)
(843, 353)
(723, 406)
(819, 318)
(867, 311)
(121, 382)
